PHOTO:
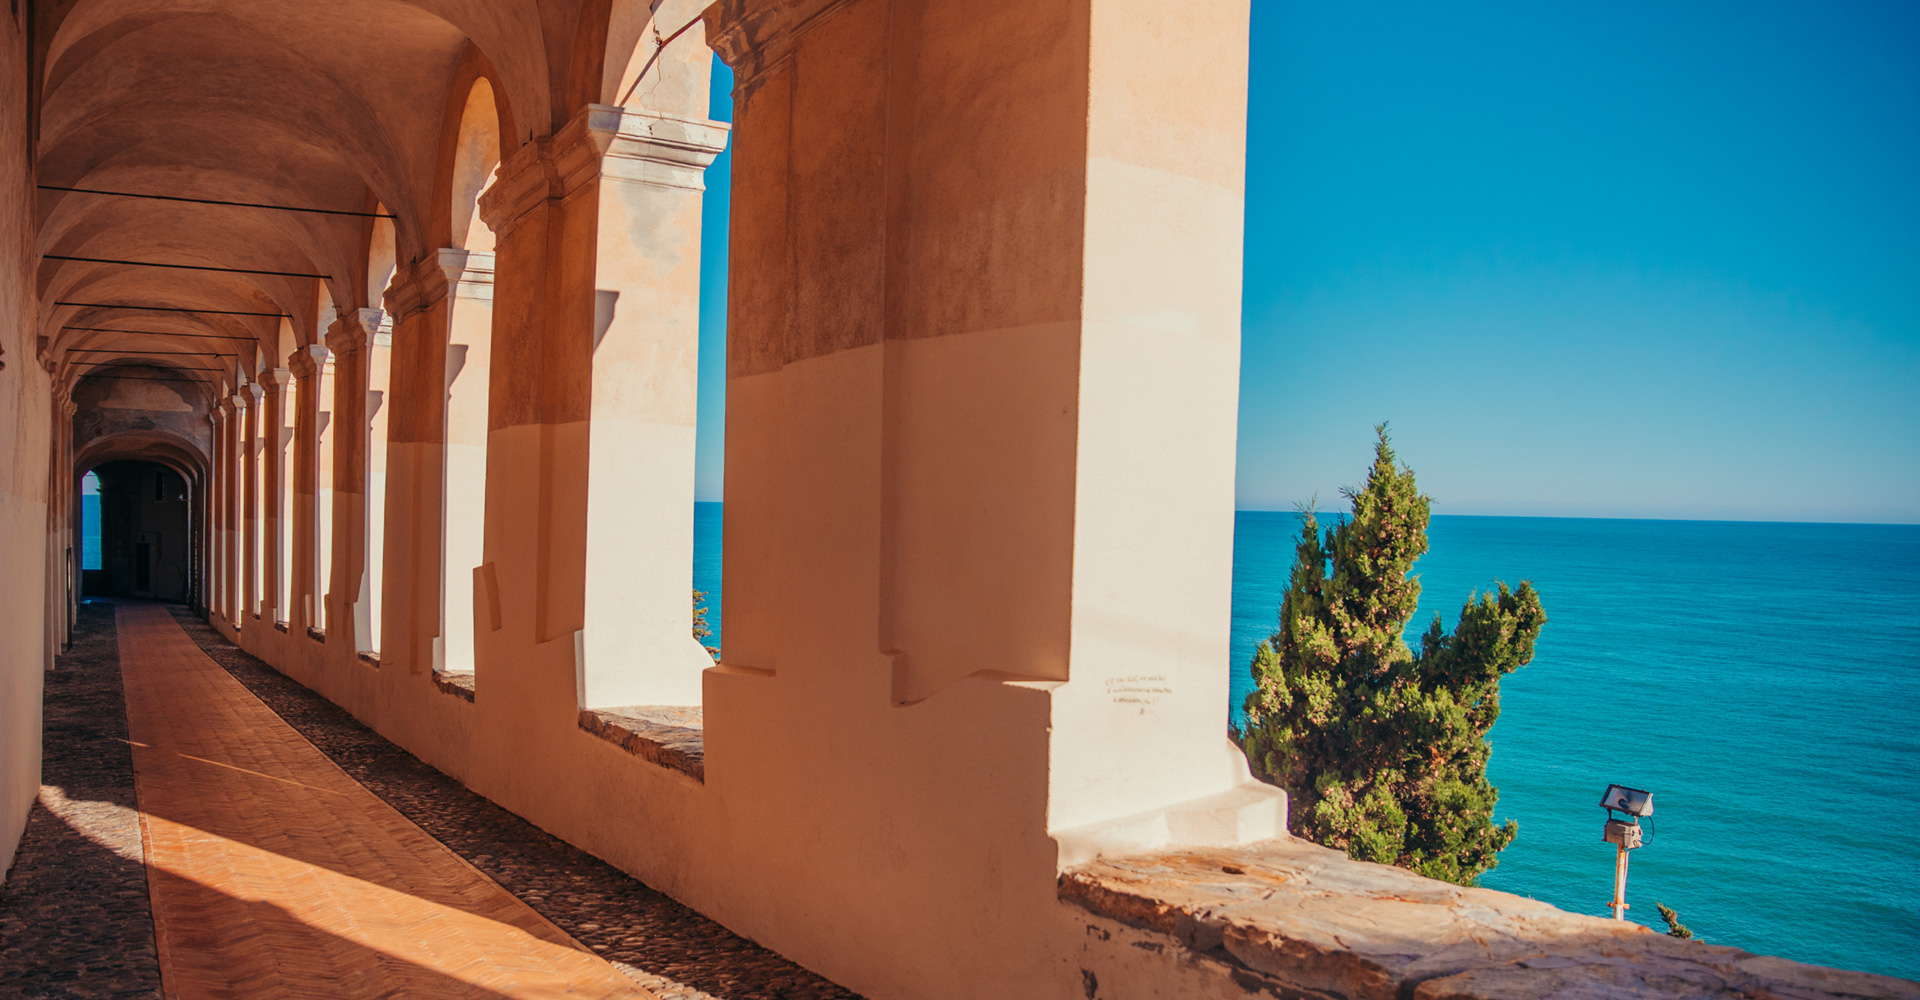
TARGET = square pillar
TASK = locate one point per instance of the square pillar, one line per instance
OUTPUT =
(442, 314)
(593, 353)
(225, 418)
(250, 478)
(275, 383)
(982, 388)
(638, 642)
(349, 598)
(306, 365)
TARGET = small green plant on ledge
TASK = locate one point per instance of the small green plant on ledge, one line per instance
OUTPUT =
(701, 630)
(1383, 751)
(1674, 927)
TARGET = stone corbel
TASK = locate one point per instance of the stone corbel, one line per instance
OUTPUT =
(659, 150)
(306, 362)
(353, 330)
(418, 287)
(632, 145)
(469, 272)
(754, 36)
(519, 186)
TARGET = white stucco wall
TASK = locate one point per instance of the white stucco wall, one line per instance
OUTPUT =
(25, 419)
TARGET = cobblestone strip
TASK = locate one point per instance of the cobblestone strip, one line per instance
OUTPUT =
(663, 945)
(75, 922)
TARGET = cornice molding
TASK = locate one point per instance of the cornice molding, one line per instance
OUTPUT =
(645, 147)
(756, 36)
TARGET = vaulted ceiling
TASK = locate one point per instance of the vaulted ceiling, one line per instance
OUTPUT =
(341, 105)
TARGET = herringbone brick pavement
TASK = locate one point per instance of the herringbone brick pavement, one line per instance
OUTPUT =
(274, 874)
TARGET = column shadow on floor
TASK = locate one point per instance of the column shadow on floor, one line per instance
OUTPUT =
(666, 946)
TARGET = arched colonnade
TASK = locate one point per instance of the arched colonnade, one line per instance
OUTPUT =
(427, 275)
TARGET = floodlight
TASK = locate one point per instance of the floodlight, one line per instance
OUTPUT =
(1624, 835)
(1631, 801)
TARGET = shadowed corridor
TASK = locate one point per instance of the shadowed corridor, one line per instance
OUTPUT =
(269, 870)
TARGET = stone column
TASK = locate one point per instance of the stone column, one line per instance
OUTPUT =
(235, 494)
(638, 639)
(306, 365)
(438, 453)
(379, 419)
(349, 605)
(416, 404)
(219, 480)
(469, 353)
(250, 478)
(63, 551)
(981, 399)
(275, 382)
(594, 353)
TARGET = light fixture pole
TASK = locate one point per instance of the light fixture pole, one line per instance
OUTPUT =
(1624, 834)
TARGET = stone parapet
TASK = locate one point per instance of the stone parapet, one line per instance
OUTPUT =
(671, 736)
(1290, 918)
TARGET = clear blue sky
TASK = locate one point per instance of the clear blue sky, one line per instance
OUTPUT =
(1589, 260)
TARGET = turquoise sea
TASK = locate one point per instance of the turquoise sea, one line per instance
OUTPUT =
(1761, 679)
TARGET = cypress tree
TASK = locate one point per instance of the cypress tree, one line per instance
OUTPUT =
(1382, 750)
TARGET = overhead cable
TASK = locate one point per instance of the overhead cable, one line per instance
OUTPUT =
(181, 267)
(173, 309)
(215, 201)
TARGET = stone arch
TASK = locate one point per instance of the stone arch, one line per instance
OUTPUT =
(476, 159)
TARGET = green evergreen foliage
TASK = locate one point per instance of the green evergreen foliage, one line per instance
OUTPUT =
(1383, 751)
(1674, 927)
(701, 630)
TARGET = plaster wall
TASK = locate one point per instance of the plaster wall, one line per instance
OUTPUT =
(955, 382)
(32, 542)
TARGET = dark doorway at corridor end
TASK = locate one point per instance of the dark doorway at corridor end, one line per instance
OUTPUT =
(146, 545)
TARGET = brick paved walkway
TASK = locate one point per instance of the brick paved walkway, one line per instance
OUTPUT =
(273, 873)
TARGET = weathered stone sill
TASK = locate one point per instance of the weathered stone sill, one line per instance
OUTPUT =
(1295, 919)
(670, 736)
(458, 685)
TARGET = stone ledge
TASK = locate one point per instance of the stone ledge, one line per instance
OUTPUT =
(458, 685)
(670, 736)
(1294, 919)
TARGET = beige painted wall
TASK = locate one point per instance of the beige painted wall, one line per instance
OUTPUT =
(29, 539)
(979, 513)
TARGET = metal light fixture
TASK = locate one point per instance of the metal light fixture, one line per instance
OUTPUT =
(1624, 834)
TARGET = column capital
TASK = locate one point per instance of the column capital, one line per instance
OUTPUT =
(650, 148)
(656, 149)
(754, 36)
(68, 408)
(353, 330)
(222, 408)
(306, 361)
(275, 379)
(253, 393)
(417, 286)
(240, 399)
(469, 273)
